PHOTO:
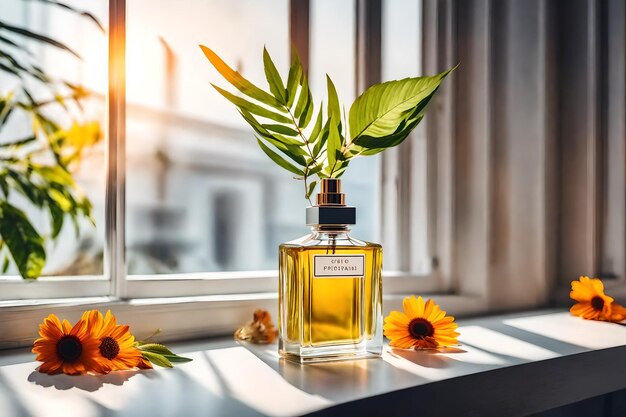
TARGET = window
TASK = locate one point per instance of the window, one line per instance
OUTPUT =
(333, 46)
(200, 196)
(405, 174)
(203, 208)
(76, 254)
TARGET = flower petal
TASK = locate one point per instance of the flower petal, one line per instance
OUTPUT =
(412, 308)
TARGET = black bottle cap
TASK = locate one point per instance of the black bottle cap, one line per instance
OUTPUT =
(331, 208)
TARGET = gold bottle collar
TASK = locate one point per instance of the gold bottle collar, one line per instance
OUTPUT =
(330, 193)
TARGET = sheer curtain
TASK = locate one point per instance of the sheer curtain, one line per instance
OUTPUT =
(526, 146)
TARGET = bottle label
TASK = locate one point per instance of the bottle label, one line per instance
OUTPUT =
(336, 266)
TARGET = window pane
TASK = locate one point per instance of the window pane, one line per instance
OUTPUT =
(33, 175)
(333, 51)
(401, 58)
(201, 195)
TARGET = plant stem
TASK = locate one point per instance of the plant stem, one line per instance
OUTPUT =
(304, 139)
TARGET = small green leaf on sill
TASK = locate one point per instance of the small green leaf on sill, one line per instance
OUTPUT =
(160, 355)
(157, 359)
(155, 348)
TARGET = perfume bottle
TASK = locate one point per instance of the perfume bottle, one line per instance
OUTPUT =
(330, 287)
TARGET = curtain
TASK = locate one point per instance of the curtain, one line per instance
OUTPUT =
(526, 145)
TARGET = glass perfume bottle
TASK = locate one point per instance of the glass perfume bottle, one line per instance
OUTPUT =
(330, 287)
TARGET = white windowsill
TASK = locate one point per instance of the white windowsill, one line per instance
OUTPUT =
(508, 365)
(179, 318)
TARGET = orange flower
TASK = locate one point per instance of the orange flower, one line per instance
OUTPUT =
(259, 330)
(116, 347)
(423, 325)
(592, 303)
(63, 348)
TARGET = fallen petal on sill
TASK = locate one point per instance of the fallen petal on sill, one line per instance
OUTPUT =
(260, 330)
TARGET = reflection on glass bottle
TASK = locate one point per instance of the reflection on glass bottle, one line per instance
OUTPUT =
(330, 288)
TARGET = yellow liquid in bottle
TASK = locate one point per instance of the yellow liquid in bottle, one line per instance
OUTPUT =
(328, 311)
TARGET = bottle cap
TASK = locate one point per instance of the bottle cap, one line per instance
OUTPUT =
(331, 206)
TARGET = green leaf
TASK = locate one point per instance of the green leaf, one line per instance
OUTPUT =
(23, 185)
(340, 169)
(5, 265)
(86, 207)
(305, 117)
(251, 107)
(4, 116)
(37, 37)
(281, 129)
(334, 110)
(294, 78)
(162, 351)
(315, 170)
(24, 243)
(62, 201)
(294, 153)
(311, 188)
(54, 173)
(157, 359)
(273, 77)
(303, 99)
(261, 130)
(32, 71)
(177, 359)
(10, 70)
(317, 128)
(379, 111)
(239, 82)
(57, 218)
(19, 142)
(319, 145)
(6, 107)
(371, 146)
(9, 42)
(4, 186)
(155, 348)
(80, 12)
(333, 146)
(279, 160)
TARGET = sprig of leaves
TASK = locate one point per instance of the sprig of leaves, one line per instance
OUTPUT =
(382, 117)
(160, 355)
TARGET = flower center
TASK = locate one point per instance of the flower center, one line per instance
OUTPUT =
(420, 328)
(69, 348)
(109, 348)
(597, 303)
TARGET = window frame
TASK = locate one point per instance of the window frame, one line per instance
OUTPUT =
(124, 286)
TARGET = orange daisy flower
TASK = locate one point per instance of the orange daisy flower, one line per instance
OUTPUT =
(116, 346)
(593, 303)
(423, 325)
(63, 348)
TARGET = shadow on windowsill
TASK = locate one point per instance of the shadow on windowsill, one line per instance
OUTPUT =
(427, 358)
(87, 382)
